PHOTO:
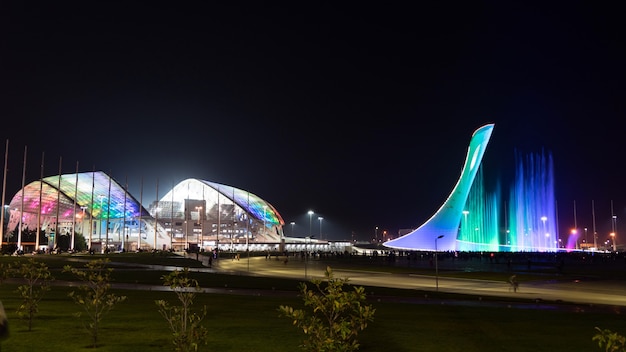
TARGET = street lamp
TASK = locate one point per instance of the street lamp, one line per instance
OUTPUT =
(614, 232)
(199, 209)
(100, 234)
(437, 265)
(320, 219)
(306, 254)
(306, 241)
(292, 225)
(83, 219)
(613, 240)
(310, 215)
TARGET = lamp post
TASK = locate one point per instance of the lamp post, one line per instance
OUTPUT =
(186, 235)
(82, 228)
(614, 231)
(306, 254)
(437, 265)
(292, 225)
(320, 219)
(310, 215)
(100, 234)
(199, 209)
(306, 241)
(613, 240)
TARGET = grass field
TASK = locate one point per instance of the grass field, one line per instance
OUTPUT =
(252, 323)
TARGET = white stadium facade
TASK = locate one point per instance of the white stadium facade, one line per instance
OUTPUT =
(193, 215)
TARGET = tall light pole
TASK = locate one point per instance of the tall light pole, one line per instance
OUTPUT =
(306, 241)
(292, 225)
(437, 265)
(614, 232)
(100, 234)
(310, 217)
(320, 219)
(199, 209)
(82, 228)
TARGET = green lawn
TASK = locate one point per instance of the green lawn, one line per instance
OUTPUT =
(251, 322)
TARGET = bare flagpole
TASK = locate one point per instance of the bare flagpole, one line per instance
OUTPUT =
(593, 218)
(156, 215)
(56, 227)
(124, 227)
(19, 231)
(39, 208)
(172, 218)
(108, 212)
(93, 186)
(576, 226)
(140, 215)
(247, 234)
(74, 218)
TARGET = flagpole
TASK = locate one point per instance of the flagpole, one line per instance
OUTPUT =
(57, 228)
(108, 213)
(39, 207)
(156, 215)
(19, 231)
(74, 218)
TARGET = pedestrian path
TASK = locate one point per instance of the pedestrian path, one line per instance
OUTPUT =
(604, 292)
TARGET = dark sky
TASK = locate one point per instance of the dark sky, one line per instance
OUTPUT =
(360, 111)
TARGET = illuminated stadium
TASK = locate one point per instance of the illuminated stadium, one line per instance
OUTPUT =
(194, 214)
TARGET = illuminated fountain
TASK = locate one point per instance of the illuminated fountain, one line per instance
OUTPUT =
(471, 219)
(526, 223)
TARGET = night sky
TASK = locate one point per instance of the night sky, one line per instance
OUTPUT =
(361, 112)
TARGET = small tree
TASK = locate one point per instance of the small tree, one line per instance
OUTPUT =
(5, 272)
(337, 316)
(38, 279)
(95, 299)
(188, 333)
(609, 340)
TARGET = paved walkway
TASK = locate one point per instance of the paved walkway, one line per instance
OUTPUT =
(598, 292)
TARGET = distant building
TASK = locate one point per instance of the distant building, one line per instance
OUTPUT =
(195, 214)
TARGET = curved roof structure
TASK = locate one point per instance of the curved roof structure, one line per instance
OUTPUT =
(216, 196)
(60, 202)
(99, 195)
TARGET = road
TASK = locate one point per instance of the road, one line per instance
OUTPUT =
(591, 292)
